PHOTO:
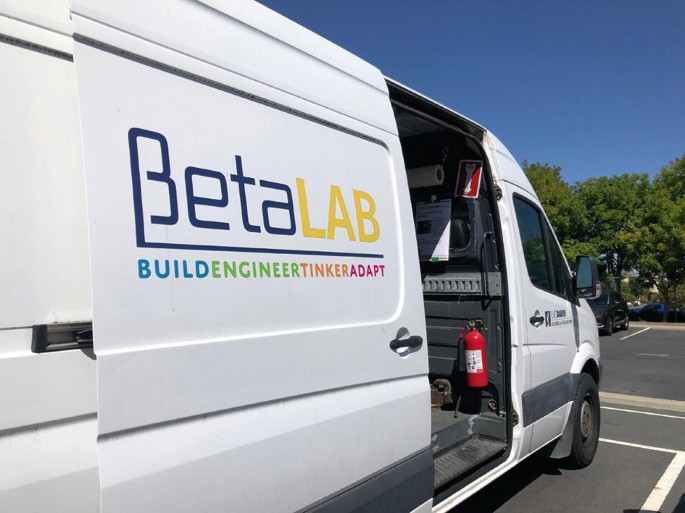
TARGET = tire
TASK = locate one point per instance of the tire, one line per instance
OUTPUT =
(626, 324)
(609, 326)
(586, 423)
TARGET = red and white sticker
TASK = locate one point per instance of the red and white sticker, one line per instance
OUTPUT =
(468, 179)
(474, 361)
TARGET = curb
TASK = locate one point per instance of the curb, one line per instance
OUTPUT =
(644, 402)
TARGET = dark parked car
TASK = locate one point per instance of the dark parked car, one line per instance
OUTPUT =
(654, 312)
(611, 311)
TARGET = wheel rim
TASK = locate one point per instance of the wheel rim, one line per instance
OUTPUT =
(587, 419)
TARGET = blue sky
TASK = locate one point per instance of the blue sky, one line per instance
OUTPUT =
(595, 87)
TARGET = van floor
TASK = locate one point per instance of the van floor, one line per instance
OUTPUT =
(456, 450)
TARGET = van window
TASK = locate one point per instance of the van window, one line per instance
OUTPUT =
(562, 285)
(545, 261)
(533, 245)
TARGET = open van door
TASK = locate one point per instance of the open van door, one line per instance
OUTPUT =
(258, 317)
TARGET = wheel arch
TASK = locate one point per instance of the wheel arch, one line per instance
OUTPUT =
(561, 447)
(592, 368)
(587, 360)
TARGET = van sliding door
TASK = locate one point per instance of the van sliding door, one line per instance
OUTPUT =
(258, 319)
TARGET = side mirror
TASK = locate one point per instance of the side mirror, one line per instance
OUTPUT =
(586, 281)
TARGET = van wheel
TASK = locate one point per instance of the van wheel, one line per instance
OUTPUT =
(626, 324)
(586, 421)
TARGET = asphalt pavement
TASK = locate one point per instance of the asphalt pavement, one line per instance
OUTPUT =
(646, 361)
(639, 466)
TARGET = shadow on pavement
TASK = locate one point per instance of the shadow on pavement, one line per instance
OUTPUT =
(509, 485)
(680, 508)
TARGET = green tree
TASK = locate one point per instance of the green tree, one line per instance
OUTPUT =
(657, 242)
(636, 287)
(613, 206)
(566, 213)
(672, 178)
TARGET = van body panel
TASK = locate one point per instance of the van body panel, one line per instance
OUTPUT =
(214, 212)
(64, 373)
(291, 58)
(426, 507)
(45, 184)
(509, 169)
(589, 347)
(504, 167)
(48, 401)
(46, 439)
(39, 16)
(550, 344)
(181, 278)
(588, 350)
(50, 468)
(314, 440)
(547, 429)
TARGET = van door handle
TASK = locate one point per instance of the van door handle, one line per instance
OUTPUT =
(537, 319)
(411, 342)
(403, 343)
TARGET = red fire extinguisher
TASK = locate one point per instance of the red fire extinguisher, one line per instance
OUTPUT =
(474, 351)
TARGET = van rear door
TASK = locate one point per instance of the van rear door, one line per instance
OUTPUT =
(258, 315)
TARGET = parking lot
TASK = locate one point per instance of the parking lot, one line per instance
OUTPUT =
(641, 455)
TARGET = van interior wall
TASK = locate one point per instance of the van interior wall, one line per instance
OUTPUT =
(461, 414)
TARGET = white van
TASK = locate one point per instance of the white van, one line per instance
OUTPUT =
(245, 272)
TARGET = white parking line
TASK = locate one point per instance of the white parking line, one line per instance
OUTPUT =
(636, 333)
(660, 491)
(662, 355)
(668, 478)
(644, 413)
(639, 446)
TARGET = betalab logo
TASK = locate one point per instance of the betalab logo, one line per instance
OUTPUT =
(237, 185)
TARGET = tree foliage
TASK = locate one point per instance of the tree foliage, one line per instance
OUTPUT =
(567, 213)
(657, 241)
(613, 206)
(629, 222)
